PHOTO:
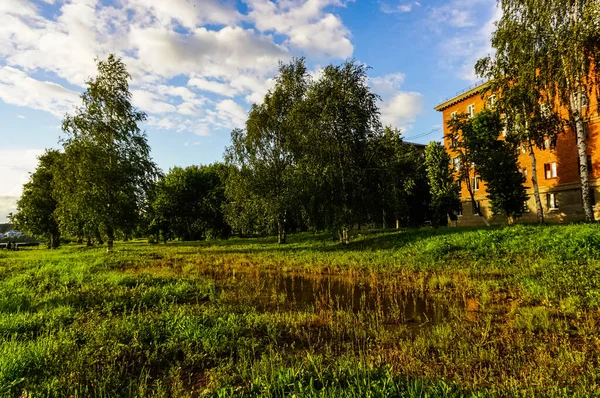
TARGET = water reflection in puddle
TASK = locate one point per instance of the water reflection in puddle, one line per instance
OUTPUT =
(389, 301)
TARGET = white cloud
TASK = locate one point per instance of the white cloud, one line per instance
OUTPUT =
(149, 102)
(189, 13)
(230, 114)
(21, 117)
(209, 44)
(400, 7)
(401, 110)
(15, 166)
(17, 88)
(398, 108)
(306, 24)
(8, 204)
(224, 53)
(212, 86)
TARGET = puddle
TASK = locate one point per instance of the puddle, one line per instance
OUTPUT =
(389, 301)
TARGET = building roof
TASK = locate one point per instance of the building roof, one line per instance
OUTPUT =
(461, 95)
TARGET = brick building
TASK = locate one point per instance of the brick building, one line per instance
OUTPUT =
(557, 168)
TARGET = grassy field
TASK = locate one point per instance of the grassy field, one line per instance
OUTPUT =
(518, 316)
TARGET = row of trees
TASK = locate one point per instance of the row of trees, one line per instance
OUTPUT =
(315, 155)
(312, 156)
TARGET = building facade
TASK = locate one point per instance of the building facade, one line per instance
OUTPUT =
(557, 167)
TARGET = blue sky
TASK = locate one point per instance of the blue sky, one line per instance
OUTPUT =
(198, 65)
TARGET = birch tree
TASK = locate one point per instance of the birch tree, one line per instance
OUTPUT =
(107, 154)
(560, 39)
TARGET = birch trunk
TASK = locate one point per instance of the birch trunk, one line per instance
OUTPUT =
(536, 187)
(576, 106)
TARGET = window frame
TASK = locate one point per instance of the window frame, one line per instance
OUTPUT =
(471, 110)
(552, 199)
(475, 183)
(550, 171)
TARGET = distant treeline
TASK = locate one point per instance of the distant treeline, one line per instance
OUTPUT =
(312, 156)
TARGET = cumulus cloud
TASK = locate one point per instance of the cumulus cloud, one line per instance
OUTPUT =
(15, 166)
(17, 88)
(398, 108)
(8, 204)
(220, 51)
(306, 24)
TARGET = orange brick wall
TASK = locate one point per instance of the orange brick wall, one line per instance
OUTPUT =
(564, 154)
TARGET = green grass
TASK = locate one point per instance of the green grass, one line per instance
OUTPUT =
(520, 317)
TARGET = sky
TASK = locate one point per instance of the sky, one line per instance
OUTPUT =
(198, 65)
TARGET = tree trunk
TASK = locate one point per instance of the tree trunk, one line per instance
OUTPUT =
(383, 224)
(55, 241)
(397, 224)
(89, 241)
(110, 238)
(576, 106)
(281, 235)
(344, 236)
(536, 187)
(473, 202)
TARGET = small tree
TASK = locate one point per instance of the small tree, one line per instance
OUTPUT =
(496, 161)
(445, 191)
(461, 147)
(107, 157)
(36, 209)
(187, 203)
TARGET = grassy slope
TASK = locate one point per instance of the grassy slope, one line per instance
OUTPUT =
(144, 322)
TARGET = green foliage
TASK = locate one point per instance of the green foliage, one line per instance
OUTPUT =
(445, 191)
(548, 50)
(314, 156)
(106, 168)
(343, 119)
(37, 207)
(262, 184)
(188, 204)
(496, 161)
(397, 186)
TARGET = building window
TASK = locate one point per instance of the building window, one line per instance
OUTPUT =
(492, 101)
(523, 149)
(453, 115)
(460, 210)
(550, 170)
(546, 143)
(471, 110)
(456, 163)
(586, 129)
(552, 201)
(475, 183)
